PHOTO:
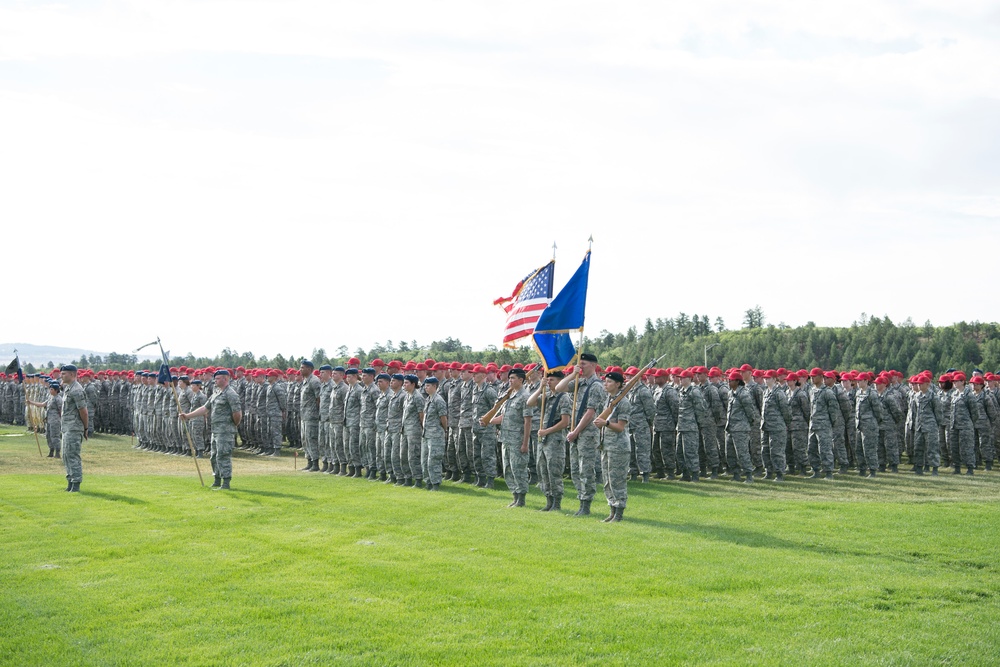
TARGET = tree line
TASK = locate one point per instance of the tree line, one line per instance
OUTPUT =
(868, 343)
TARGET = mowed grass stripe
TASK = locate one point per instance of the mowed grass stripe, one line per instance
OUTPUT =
(310, 569)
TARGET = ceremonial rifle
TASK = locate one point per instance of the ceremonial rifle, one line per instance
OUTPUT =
(625, 390)
(485, 419)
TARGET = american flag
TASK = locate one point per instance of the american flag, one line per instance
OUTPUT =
(525, 305)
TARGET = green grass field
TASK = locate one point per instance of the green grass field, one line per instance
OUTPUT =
(146, 567)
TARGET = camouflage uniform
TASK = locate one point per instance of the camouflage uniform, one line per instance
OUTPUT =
(325, 396)
(888, 440)
(484, 438)
(413, 406)
(309, 410)
(868, 420)
(222, 406)
(775, 419)
(352, 424)
(615, 454)
(642, 414)
(337, 445)
(73, 431)
(707, 432)
(583, 461)
(432, 444)
(93, 397)
(742, 419)
(394, 428)
(692, 416)
(665, 427)
(276, 406)
(369, 399)
(845, 417)
(515, 464)
(825, 413)
(552, 448)
(798, 431)
(989, 412)
(466, 421)
(197, 424)
(383, 444)
(926, 417)
(53, 424)
(964, 417)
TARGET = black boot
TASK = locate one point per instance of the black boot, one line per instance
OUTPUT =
(934, 471)
(619, 513)
(989, 465)
(780, 477)
(74, 487)
(556, 503)
(383, 477)
(893, 468)
(957, 470)
(715, 473)
(817, 474)
(584, 508)
(749, 479)
(737, 477)
(918, 470)
(969, 471)
(513, 503)
(881, 467)
(315, 465)
(52, 452)
(645, 478)
(59, 454)
(610, 516)
(828, 475)
(548, 504)
(520, 499)
(326, 466)
(843, 470)
(218, 482)
(468, 478)
(225, 482)
(69, 485)
(489, 483)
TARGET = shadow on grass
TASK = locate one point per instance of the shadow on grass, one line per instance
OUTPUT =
(268, 494)
(114, 497)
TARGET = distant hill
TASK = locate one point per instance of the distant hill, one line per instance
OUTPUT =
(41, 355)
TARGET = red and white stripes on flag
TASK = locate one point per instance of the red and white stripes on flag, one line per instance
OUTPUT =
(525, 305)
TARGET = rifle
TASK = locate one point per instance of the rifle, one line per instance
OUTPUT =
(625, 390)
(485, 419)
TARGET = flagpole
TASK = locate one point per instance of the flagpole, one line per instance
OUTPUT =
(177, 400)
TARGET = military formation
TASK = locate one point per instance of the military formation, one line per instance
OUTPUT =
(421, 424)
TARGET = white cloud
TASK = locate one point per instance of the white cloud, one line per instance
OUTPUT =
(405, 153)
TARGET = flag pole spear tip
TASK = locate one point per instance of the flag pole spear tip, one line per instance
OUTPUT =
(590, 242)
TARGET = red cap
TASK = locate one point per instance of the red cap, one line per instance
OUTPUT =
(977, 379)
(506, 368)
(274, 373)
(830, 374)
(377, 363)
(395, 364)
(735, 375)
(958, 376)
(662, 373)
(631, 370)
(353, 361)
(687, 374)
(882, 379)
(410, 366)
(746, 367)
(239, 368)
(770, 374)
(791, 377)
(816, 372)
(469, 367)
(757, 373)
(478, 368)
(455, 365)
(429, 362)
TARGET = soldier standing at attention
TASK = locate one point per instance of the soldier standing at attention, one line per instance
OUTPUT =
(867, 417)
(53, 418)
(642, 414)
(413, 419)
(383, 451)
(964, 417)
(394, 428)
(775, 419)
(798, 432)
(926, 418)
(584, 439)
(741, 420)
(352, 422)
(369, 399)
(552, 439)
(615, 450)
(435, 427)
(665, 424)
(484, 457)
(825, 411)
(197, 425)
(325, 392)
(226, 415)
(276, 409)
(892, 414)
(515, 436)
(75, 422)
(989, 417)
(692, 415)
(310, 415)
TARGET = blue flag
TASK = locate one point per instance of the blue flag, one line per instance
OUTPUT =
(164, 374)
(564, 314)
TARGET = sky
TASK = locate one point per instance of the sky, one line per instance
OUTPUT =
(283, 176)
